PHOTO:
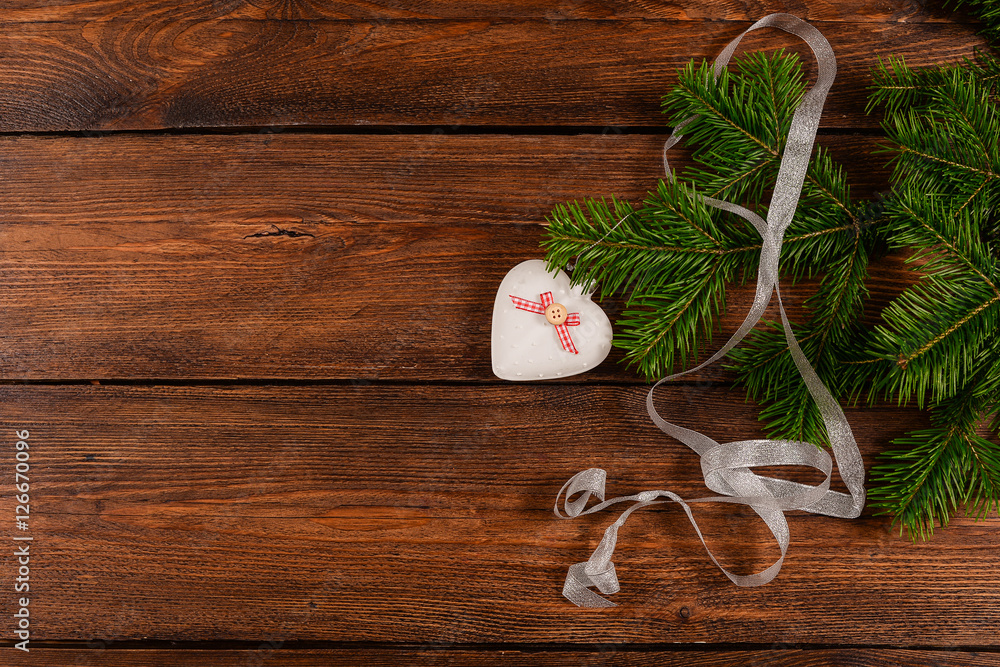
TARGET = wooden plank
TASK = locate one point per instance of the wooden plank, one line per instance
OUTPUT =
(161, 71)
(137, 257)
(624, 656)
(423, 514)
(314, 179)
(897, 11)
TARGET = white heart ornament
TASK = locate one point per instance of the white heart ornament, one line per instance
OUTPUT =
(526, 345)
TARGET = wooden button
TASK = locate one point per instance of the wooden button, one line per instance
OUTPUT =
(556, 313)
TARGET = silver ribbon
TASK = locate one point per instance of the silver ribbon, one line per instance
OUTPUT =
(727, 466)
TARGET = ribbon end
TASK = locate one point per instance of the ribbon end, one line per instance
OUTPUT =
(576, 589)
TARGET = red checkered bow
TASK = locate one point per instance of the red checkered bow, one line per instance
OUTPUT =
(572, 319)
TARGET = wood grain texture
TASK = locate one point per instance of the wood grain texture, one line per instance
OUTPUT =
(290, 179)
(267, 653)
(31, 11)
(423, 514)
(135, 257)
(397, 508)
(160, 71)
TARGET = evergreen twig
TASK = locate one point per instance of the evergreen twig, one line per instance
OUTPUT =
(673, 258)
(937, 342)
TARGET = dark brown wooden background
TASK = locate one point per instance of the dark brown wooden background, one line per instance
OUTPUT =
(248, 255)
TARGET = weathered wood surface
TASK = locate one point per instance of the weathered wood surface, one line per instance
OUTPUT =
(423, 514)
(267, 653)
(137, 257)
(323, 484)
(875, 11)
(160, 71)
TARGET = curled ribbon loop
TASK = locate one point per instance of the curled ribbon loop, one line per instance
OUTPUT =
(727, 466)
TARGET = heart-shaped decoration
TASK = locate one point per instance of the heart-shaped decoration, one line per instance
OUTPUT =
(544, 328)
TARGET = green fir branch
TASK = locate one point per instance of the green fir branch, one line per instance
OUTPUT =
(764, 364)
(673, 255)
(937, 342)
(987, 11)
(672, 258)
(667, 328)
(941, 469)
(897, 87)
(946, 188)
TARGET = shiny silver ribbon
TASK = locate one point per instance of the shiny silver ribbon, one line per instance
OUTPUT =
(727, 466)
